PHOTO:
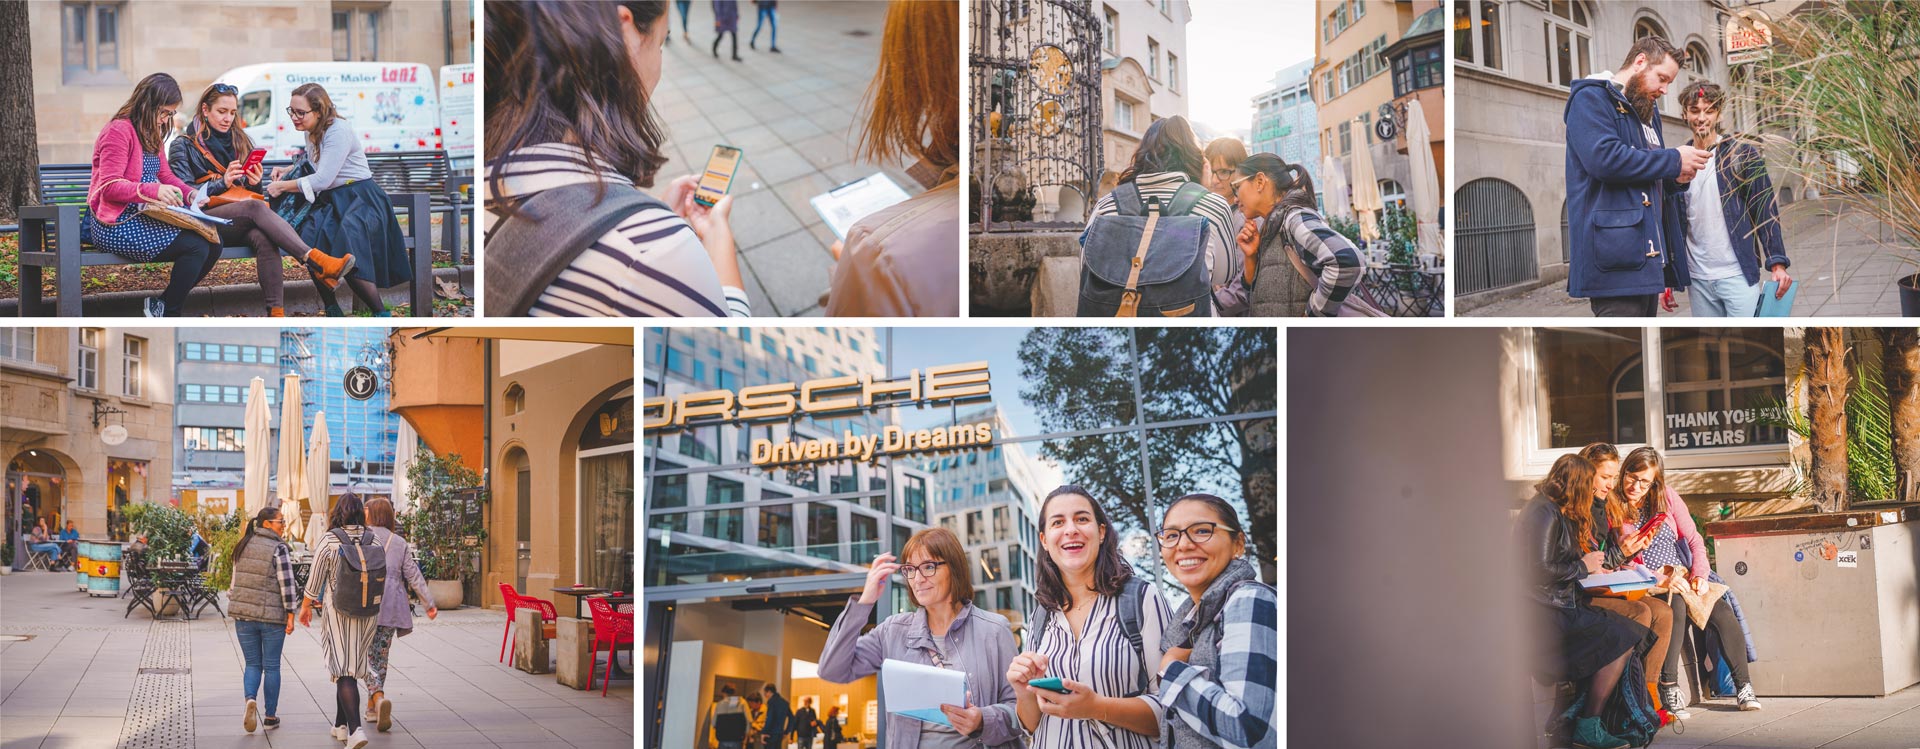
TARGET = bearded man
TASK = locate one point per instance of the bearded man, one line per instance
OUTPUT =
(1622, 183)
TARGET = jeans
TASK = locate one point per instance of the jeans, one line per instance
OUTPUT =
(51, 549)
(773, 22)
(1725, 297)
(260, 643)
(685, 7)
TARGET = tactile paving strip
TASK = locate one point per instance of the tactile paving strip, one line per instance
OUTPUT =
(160, 715)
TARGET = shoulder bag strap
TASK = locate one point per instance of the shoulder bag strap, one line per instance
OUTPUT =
(529, 249)
(1130, 299)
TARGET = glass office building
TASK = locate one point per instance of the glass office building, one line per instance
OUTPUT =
(364, 434)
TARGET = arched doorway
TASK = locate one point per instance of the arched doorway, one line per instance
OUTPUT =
(1495, 245)
(514, 465)
(36, 491)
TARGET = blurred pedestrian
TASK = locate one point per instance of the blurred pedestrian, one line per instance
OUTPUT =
(726, 20)
(772, 20)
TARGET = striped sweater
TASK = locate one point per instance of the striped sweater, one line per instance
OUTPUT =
(650, 265)
(1213, 208)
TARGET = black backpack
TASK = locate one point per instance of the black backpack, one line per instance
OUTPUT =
(359, 574)
(1147, 260)
(528, 250)
(1132, 594)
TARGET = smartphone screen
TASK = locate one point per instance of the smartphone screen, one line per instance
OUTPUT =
(254, 159)
(718, 176)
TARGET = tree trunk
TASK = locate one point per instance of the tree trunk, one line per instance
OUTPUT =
(1827, 387)
(1254, 388)
(19, 142)
(1900, 357)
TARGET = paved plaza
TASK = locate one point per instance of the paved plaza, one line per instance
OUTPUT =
(794, 114)
(74, 673)
(1891, 722)
(1844, 266)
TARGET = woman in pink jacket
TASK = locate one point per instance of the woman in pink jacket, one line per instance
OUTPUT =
(129, 174)
(1643, 493)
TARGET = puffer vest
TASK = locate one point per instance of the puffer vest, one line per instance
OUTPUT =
(255, 595)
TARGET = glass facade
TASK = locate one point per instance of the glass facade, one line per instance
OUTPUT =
(364, 433)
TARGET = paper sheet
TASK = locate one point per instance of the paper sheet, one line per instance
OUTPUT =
(842, 206)
(194, 212)
(917, 691)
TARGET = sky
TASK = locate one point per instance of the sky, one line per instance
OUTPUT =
(999, 347)
(1234, 48)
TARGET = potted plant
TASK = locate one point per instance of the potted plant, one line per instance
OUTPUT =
(444, 524)
(168, 530)
(222, 532)
(6, 557)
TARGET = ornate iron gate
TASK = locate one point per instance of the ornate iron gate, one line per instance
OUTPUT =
(1035, 71)
(1495, 244)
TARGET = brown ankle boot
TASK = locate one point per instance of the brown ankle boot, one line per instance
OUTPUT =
(276, 312)
(330, 269)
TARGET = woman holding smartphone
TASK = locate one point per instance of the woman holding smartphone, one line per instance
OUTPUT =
(1607, 516)
(350, 214)
(1218, 676)
(1079, 635)
(129, 176)
(569, 130)
(946, 631)
(214, 152)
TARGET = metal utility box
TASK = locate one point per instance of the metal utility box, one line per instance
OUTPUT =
(1833, 600)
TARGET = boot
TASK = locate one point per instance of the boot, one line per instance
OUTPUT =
(328, 268)
(276, 312)
(1588, 733)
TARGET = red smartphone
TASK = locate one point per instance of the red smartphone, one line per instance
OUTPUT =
(254, 159)
(1652, 526)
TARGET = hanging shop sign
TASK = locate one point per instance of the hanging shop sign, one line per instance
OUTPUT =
(360, 383)
(1749, 37)
(1724, 427)
(950, 383)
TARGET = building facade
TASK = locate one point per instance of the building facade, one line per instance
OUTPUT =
(1286, 122)
(364, 434)
(1351, 84)
(94, 51)
(1417, 63)
(1510, 201)
(214, 370)
(86, 424)
(990, 501)
(1143, 47)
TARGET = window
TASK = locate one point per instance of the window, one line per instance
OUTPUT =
(1359, 9)
(725, 525)
(776, 527)
(866, 536)
(823, 530)
(1366, 126)
(133, 368)
(516, 399)
(1372, 61)
(1123, 115)
(1166, 8)
(700, 372)
(726, 379)
(746, 335)
(87, 369)
(914, 496)
(19, 343)
(1720, 385)
(807, 361)
(356, 33)
(1110, 39)
(90, 43)
(676, 361)
(1580, 370)
(1421, 68)
(214, 439)
(1153, 59)
(1392, 194)
(1485, 48)
(1569, 44)
(1346, 138)
(1173, 72)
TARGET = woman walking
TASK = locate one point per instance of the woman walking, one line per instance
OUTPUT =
(396, 614)
(262, 601)
(345, 639)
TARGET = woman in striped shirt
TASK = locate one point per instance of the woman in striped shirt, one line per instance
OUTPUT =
(568, 104)
(1218, 677)
(1079, 634)
(1168, 157)
(345, 639)
(1280, 196)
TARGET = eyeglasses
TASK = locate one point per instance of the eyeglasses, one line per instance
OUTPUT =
(224, 89)
(1222, 173)
(1634, 483)
(1235, 184)
(1201, 533)
(298, 113)
(912, 571)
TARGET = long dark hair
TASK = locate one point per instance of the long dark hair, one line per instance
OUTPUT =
(1598, 453)
(237, 133)
(1292, 181)
(142, 109)
(348, 510)
(1168, 146)
(1569, 484)
(1110, 572)
(558, 72)
(265, 514)
(1639, 460)
(324, 114)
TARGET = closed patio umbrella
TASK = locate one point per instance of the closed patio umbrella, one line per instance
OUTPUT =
(258, 449)
(1335, 189)
(290, 485)
(1424, 193)
(319, 478)
(1366, 191)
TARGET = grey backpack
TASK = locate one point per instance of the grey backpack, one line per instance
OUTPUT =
(1147, 260)
(527, 251)
(359, 574)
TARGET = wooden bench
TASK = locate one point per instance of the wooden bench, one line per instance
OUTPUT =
(50, 238)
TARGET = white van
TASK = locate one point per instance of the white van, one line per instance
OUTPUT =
(456, 115)
(393, 105)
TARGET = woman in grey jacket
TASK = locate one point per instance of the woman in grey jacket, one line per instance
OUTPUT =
(396, 613)
(945, 632)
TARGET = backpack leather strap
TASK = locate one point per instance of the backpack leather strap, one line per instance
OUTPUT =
(1130, 299)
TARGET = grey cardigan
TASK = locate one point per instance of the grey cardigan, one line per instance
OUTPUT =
(978, 642)
(341, 160)
(402, 573)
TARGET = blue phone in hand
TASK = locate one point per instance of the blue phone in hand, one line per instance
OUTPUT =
(1051, 684)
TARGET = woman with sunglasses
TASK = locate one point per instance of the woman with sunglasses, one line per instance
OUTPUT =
(945, 631)
(1218, 676)
(261, 601)
(1608, 536)
(1278, 200)
(129, 176)
(1082, 633)
(349, 214)
(211, 153)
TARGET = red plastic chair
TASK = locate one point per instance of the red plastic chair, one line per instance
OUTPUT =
(548, 615)
(611, 628)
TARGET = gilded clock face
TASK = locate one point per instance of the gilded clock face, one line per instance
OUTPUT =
(1048, 118)
(1052, 72)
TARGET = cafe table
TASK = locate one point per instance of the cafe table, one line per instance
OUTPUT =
(579, 597)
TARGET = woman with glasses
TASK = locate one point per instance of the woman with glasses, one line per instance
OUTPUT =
(1097, 627)
(211, 153)
(945, 631)
(1608, 537)
(1677, 544)
(1278, 199)
(262, 601)
(348, 214)
(129, 176)
(1218, 676)
(1223, 155)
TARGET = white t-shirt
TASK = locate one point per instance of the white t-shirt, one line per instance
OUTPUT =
(1709, 248)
